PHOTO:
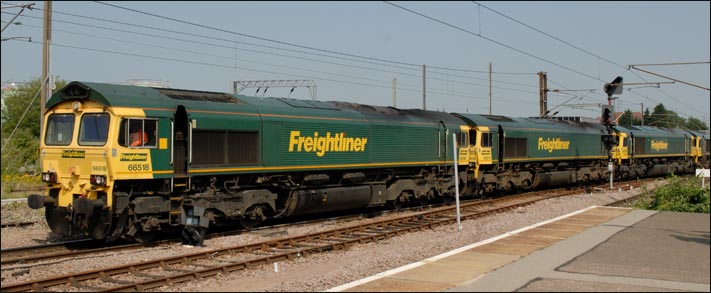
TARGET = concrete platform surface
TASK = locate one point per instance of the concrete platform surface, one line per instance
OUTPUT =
(595, 249)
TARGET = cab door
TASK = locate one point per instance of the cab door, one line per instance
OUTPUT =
(443, 135)
(463, 145)
(181, 133)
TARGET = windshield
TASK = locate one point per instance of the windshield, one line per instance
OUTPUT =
(93, 129)
(60, 128)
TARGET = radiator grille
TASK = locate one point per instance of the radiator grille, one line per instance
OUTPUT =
(221, 148)
(639, 145)
(515, 148)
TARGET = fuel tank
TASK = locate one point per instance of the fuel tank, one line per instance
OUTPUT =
(332, 199)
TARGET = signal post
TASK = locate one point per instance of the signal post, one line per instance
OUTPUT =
(609, 139)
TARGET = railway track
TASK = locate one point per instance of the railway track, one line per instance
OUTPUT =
(185, 267)
(37, 253)
(17, 224)
(69, 249)
(171, 270)
(635, 184)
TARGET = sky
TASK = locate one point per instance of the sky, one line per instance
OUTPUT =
(356, 51)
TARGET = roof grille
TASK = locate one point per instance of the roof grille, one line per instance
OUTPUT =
(498, 118)
(199, 96)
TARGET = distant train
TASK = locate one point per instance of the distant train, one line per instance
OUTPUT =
(127, 161)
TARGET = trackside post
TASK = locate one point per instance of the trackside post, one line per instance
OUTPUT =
(456, 179)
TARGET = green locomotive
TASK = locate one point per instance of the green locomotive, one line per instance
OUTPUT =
(127, 161)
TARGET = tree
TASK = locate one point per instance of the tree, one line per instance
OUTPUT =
(626, 119)
(696, 124)
(21, 149)
(661, 117)
(647, 116)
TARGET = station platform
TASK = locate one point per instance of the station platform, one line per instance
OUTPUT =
(595, 249)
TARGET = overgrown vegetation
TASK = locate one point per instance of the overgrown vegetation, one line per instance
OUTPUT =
(682, 194)
(661, 117)
(20, 185)
(20, 128)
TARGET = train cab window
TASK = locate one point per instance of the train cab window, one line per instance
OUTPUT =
(94, 129)
(138, 133)
(60, 128)
(487, 140)
(462, 139)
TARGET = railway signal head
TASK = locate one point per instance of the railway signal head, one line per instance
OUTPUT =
(606, 115)
(614, 87)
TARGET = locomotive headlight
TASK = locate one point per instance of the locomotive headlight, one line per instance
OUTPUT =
(49, 177)
(97, 180)
(76, 106)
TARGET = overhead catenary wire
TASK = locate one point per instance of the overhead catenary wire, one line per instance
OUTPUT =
(265, 71)
(417, 65)
(494, 41)
(542, 32)
(259, 45)
(272, 64)
(593, 54)
(287, 43)
(270, 53)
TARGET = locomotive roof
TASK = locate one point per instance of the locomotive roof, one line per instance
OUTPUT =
(699, 134)
(109, 95)
(509, 123)
(117, 95)
(651, 131)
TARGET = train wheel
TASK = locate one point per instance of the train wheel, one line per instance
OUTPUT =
(100, 226)
(448, 199)
(254, 216)
(57, 221)
(400, 202)
(194, 236)
(145, 237)
(249, 223)
(137, 234)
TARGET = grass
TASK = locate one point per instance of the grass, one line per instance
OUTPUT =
(20, 186)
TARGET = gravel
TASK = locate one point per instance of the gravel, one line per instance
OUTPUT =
(317, 272)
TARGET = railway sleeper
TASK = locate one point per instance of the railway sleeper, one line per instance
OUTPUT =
(108, 279)
(169, 269)
(78, 284)
(202, 265)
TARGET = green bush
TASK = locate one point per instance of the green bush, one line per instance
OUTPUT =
(18, 186)
(680, 195)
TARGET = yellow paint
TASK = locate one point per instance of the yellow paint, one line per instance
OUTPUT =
(99, 168)
(553, 144)
(320, 145)
(554, 158)
(657, 156)
(658, 145)
(163, 143)
(463, 158)
(481, 153)
(74, 173)
(73, 154)
(696, 148)
(620, 151)
(132, 163)
(74, 164)
(280, 168)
